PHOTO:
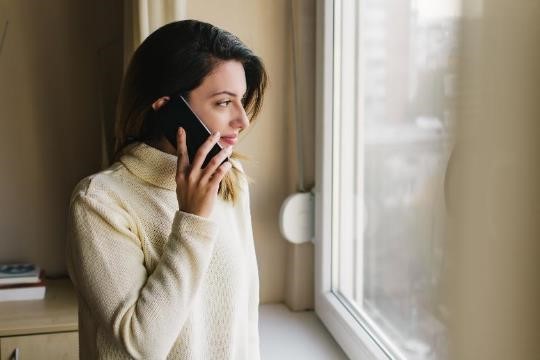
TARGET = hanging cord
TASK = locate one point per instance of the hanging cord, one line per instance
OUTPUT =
(3, 36)
(297, 110)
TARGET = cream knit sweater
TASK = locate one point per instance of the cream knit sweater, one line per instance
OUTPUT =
(154, 282)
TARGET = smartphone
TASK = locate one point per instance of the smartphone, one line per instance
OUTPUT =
(177, 113)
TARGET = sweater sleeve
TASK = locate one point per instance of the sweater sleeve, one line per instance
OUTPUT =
(144, 312)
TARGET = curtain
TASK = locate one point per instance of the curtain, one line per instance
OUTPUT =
(141, 17)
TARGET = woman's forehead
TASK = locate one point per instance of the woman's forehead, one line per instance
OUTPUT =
(227, 76)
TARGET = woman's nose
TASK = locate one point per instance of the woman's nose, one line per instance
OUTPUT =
(241, 118)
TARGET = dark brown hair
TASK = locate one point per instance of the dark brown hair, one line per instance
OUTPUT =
(175, 59)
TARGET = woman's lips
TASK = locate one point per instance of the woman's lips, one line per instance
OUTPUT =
(229, 140)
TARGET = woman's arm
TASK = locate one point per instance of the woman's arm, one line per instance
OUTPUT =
(144, 312)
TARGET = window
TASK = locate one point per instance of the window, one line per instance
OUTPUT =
(386, 83)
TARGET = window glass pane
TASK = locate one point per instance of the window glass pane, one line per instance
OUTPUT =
(397, 74)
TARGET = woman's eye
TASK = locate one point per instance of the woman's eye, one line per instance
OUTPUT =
(225, 103)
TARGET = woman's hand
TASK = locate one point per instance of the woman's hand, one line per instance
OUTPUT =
(197, 188)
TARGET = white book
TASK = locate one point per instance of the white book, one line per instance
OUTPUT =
(17, 293)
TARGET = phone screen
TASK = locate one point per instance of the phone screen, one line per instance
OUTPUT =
(177, 113)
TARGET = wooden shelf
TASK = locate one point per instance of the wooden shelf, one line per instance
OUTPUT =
(56, 313)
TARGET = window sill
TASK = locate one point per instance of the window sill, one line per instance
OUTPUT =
(285, 335)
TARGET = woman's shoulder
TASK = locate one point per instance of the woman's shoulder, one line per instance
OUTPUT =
(107, 181)
(237, 164)
(100, 198)
(241, 177)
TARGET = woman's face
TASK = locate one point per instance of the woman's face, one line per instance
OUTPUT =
(218, 101)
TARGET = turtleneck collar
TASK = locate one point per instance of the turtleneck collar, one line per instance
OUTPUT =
(150, 164)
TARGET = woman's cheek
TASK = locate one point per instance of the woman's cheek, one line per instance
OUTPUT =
(214, 120)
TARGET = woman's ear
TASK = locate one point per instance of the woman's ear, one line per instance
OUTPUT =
(159, 102)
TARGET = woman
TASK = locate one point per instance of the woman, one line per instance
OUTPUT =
(161, 250)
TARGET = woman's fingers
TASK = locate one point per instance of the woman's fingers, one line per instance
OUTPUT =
(203, 150)
(214, 164)
(197, 188)
(219, 174)
(181, 148)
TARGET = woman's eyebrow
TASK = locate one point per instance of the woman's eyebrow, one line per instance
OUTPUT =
(230, 93)
(223, 92)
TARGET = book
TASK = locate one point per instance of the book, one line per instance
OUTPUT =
(17, 292)
(19, 274)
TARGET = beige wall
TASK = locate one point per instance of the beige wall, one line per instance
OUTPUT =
(55, 63)
(299, 291)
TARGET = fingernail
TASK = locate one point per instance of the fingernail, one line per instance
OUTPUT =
(216, 134)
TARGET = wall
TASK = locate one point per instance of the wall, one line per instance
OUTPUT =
(59, 70)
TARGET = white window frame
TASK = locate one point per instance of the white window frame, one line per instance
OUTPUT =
(354, 338)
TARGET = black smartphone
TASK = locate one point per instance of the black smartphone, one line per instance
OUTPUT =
(177, 113)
